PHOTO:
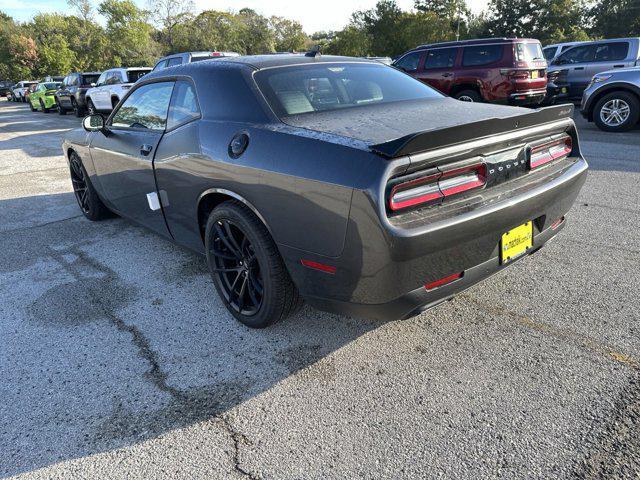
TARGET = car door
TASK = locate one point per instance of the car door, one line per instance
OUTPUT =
(610, 55)
(98, 94)
(576, 61)
(437, 69)
(123, 155)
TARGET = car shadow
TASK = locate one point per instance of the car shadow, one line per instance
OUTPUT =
(111, 336)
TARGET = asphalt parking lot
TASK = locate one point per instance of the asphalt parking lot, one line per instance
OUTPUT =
(117, 359)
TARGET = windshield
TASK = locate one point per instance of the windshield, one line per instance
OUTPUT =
(549, 53)
(331, 86)
(528, 52)
(89, 79)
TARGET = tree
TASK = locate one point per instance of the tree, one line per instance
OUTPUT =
(288, 34)
(129, 35)
(256, 32)
(351, 41)
(615, 18)
(169, 14)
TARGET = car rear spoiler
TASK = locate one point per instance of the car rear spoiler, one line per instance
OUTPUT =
(431, 139)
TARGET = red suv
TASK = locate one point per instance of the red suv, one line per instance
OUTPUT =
(497, 70)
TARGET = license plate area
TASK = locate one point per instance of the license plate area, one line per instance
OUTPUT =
(516, 242)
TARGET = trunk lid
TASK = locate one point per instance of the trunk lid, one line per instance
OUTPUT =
(404, 128)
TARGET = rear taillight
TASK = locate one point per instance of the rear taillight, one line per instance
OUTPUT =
(554, 150)
(451, 180)
(215, 54)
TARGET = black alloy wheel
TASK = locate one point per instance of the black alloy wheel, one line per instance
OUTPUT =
(61, 109)
(77, 111)
(246, 267)
(237, 268)
(88, 200)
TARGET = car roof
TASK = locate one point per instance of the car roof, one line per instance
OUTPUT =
(259, 62)
(475, 41)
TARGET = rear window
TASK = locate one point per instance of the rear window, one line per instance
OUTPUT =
(52, 85)
(528, 52)
(135, 75)
(481, 55)
(333, 86)
(197, 59)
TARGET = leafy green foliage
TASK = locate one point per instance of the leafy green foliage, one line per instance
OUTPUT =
(127, 35)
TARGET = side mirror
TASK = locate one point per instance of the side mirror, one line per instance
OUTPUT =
(93, 123)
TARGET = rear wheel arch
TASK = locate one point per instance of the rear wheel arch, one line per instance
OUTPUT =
(465, 86)
(211, 198)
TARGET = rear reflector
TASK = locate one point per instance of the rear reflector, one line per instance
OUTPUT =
(435, 186)
(443, 281)
(318, 266)
(557, 223)
(547, 152)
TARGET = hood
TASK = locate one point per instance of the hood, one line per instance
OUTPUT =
(394, 129)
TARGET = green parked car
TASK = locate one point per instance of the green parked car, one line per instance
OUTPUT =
(42, 97)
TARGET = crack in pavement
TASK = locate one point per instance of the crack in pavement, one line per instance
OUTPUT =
(585, 341)
(156, 375)
(614, 451)
(40, 225)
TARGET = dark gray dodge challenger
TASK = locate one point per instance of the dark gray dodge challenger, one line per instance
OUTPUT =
(335, 180)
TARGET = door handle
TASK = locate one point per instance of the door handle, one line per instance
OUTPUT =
(146, 149)
(448, 74)
(579, 68)
(618, 66)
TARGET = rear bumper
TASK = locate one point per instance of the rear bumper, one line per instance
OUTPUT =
(530, 97)
(382, 272)
(421, 299)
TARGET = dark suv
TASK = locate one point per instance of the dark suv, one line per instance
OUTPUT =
(496, 70)
(72, 92)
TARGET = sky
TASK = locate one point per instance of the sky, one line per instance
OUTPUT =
(313, 15)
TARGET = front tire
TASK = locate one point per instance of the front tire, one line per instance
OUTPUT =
(87, 197)
(61, 109)
(617, 112)
(246, 267)
(44, 108)
(91, 108)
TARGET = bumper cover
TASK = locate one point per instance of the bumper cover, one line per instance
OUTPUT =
(382, 272)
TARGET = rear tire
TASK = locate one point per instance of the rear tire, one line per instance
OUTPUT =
(87, 197)
(114, 102)
(246, 267)
(468, 96)
(617, 112)
(77, 111)
(33, 109)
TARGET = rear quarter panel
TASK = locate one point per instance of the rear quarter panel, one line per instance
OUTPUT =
(300, 186)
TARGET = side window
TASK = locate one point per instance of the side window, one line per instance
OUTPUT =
(184, 105)
(440, 58)
(481, 55)
(160, 65)
(579, 54)
(409, 63)
(174, 61)
(65, 81)
(609, 52)
(146, 107)
(102, 79)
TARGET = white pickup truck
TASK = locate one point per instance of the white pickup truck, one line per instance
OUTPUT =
(111, 86)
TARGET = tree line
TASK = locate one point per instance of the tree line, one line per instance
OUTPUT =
(58, 43)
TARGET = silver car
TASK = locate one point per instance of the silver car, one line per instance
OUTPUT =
(612, 100)
(571, 71)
